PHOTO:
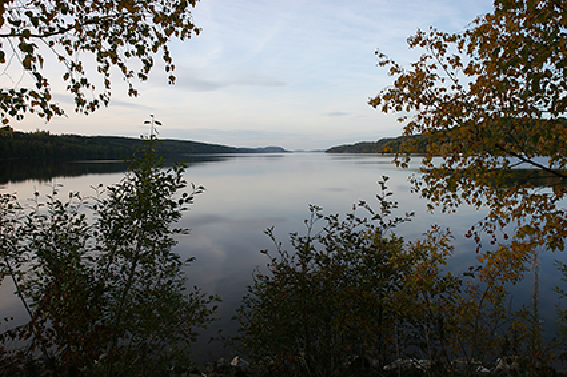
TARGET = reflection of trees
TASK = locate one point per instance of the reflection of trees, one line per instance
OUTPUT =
(46, 170)
(535, 177)
(509, 178)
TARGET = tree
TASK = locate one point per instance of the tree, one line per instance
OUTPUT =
(123, 34)
(493, 96)
(102, 283)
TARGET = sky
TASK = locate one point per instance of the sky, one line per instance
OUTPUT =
(296, 74)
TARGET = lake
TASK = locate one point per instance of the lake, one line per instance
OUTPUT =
(247, 193)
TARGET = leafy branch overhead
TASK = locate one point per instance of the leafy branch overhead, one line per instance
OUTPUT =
(491, 99)
(122, 34)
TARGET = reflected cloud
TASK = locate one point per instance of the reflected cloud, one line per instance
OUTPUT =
(207, 219)
(336, 189)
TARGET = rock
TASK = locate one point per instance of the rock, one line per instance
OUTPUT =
(507, 364)
(239, 363)
(408, 364)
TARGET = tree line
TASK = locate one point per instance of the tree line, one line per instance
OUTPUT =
(43, 145)
(418, 144)
(439, 143)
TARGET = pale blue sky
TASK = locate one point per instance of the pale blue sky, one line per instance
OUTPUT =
(296, 74)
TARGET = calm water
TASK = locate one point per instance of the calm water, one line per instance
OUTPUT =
(247, 194)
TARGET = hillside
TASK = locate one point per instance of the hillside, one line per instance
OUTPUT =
(42, 145)
(516, 134)
(386, 145)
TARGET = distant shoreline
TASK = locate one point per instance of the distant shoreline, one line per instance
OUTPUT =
(43, 145)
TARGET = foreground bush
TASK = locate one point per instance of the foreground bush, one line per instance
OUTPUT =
(352, 298)
(104, 291)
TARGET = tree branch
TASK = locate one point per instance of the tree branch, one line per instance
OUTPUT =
(60, 31)
(532, 162)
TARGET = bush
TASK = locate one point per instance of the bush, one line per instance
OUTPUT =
(331, 302)
(104, 291)
(353, 298)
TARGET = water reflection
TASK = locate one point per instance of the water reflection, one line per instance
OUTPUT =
(46, 170)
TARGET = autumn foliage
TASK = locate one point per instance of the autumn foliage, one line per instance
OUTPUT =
(495, 95)
(492, 97)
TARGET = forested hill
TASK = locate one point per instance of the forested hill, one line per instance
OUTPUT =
(517, 133)
(69, 147)
(387, 145)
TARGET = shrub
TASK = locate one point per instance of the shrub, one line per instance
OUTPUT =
(332, 300)
(104, 291)
(355, 295)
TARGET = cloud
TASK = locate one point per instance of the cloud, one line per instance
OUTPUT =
(130, 105)
(256, 80)
(69, 99)
(206, 85)
(337, 114)
(198, 85)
